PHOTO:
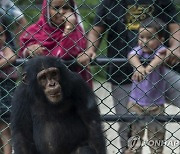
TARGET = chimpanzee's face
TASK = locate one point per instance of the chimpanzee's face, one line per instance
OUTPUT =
(49, 79)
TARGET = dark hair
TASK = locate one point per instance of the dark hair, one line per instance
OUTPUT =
(155, 23)
(8, 34)
(2, 23)
(70, 2)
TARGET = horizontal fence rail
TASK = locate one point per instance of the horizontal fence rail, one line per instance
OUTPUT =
(131, 118)
(96, 61)
(120, 125)
(118, 118)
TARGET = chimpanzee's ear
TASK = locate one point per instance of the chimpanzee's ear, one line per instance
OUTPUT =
(24, 78)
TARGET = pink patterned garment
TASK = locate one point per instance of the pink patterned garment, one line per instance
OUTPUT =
(50, 37)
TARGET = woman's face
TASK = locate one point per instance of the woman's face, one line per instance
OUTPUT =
(57, 9)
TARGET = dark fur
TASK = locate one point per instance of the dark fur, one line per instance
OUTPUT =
(71, 127)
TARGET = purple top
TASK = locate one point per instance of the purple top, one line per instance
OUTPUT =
(151, 89)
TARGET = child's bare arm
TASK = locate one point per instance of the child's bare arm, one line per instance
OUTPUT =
(9, 57)
(158, 60)
(134, 60)
(139, 68)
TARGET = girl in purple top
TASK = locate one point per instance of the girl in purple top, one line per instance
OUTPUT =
(148, 86)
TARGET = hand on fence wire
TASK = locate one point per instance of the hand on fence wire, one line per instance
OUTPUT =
(139, 74)
(85, 57)
(172, 56)
(34, 50)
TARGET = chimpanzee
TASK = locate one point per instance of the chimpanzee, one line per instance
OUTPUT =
(55, 112)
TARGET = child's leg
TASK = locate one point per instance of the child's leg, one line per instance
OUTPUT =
(5, 138)
(137, 132)
(156, 132)
(137, 128)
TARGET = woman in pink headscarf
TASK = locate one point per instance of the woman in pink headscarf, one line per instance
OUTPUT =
(58, 32)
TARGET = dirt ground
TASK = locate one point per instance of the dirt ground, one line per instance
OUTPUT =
(113, 145)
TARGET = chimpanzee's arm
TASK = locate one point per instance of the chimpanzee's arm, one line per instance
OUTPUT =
(89, 112)
(21, 124)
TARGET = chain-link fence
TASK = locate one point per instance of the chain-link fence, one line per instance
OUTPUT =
(131, 48)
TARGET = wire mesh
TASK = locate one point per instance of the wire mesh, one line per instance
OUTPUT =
(116, 24)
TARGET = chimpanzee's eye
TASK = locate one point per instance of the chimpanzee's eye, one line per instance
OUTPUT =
(42, 78)
(54, 73)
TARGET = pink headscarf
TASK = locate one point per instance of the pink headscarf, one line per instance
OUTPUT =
(65, 47)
